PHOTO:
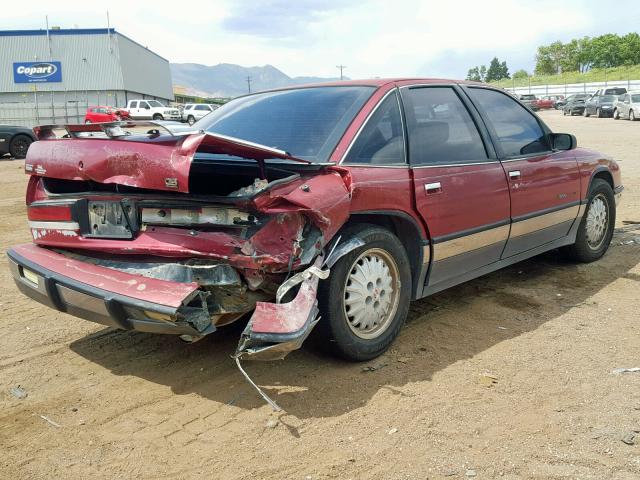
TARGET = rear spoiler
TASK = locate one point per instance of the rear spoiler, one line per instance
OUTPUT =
(215, 142)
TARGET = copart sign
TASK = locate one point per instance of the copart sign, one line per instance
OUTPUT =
(37, 72)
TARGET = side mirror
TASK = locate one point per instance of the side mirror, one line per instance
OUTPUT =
(563, 141)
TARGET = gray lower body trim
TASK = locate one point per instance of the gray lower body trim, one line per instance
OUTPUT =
(450, 267)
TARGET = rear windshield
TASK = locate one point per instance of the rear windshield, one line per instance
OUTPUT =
(305, 122)
(615, 91)
(635, 98)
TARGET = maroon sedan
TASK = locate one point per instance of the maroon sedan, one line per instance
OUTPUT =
(333, 204)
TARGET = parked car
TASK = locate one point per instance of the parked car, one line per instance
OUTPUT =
(599, 105)
(363, 196)
(548, 101)
(193, 112)
(530, 101)
(627, 106)
(151, 109)
(15, 140)
(574, 104)
(610, 91)
(102, 114)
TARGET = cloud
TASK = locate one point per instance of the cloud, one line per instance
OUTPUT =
(278, 18)
(372, 37)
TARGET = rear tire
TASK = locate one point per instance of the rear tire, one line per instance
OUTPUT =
(365, 301)
(598, 113)
(157, 116)
(616, 114)
(632, 116)
(564, 112)
(596, 227)
(585, 113)
(19, 146)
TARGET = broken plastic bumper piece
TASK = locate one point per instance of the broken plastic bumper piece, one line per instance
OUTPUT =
(275, 329)
(107, 296)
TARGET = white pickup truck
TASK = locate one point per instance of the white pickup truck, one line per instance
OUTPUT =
(151, 109)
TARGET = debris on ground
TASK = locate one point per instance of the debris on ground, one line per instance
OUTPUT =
(618, 371)
(373, 368)
(50, 422)
(488, 379)
(18, 392)
(271, 423)
(470, 473)
(630, 438)
(392, 431)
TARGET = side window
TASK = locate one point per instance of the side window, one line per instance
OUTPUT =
(381, 141)
(518, 131)
(201, 107)
(144, 105)
(441, 130)
(134, 105)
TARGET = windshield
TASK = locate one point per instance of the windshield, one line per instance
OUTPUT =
(154, 103)
(607, 98)
(527, 97)
(305, 122)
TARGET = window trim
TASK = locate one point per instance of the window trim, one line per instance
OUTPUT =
(494, 135)
(364, 124)
(476, 118)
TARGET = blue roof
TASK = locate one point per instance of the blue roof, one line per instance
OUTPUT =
(61, 31)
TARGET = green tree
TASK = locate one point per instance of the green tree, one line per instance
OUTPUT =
(477, 74)
(520, 74)
(497, 70)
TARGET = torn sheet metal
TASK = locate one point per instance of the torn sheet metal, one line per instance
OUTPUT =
(275, 329)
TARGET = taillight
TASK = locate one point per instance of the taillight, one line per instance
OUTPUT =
(49, 213)
(197, 216)
(51, 216)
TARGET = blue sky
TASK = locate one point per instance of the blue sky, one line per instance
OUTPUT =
(373, 38)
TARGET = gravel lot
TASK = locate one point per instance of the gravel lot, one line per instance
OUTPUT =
(508, 376)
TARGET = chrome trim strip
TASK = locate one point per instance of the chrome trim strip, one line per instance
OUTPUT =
(540, 222)
(364, 124)
(54, 225)
(455, 164)
(368, 165)
(426, 254)
(470, 242)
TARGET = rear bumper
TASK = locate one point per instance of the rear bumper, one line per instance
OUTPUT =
(104, 295)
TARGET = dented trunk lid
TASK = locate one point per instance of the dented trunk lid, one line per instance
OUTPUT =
(158, 159)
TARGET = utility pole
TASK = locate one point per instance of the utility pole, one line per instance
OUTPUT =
(341, 67)
(249, 83)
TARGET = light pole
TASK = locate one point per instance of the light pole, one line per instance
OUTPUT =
(341, 67)
(249, 83)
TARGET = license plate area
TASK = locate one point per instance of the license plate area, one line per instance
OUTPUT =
(108, 219)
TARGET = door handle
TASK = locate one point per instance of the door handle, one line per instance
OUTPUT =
(514, 174)
(432, 188)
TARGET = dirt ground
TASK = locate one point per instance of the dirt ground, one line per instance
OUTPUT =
(130, 405)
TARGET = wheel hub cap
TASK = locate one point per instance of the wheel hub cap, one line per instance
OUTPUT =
(597, 221)
(371, 293)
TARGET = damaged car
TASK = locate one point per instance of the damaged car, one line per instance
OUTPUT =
(329, 206)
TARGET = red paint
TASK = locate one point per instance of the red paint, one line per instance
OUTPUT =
(546, 181)
(103, 114)
(470, 196)
(152, 290)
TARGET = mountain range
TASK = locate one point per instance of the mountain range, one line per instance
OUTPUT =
(230, 80)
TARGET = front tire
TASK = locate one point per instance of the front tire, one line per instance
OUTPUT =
(596, 227)
(632, 116)
(191, 120)
(365, 301)
(585, 113)
(616, 114)
(598, 113)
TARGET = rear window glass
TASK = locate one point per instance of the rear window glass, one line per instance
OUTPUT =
(305, 122)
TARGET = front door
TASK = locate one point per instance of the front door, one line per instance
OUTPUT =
(544, 184)
(460, 187)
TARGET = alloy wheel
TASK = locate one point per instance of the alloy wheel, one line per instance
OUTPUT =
(371, 293)
(597, 221)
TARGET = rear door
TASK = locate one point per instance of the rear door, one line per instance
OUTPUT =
(544, 184)
(460, 187)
